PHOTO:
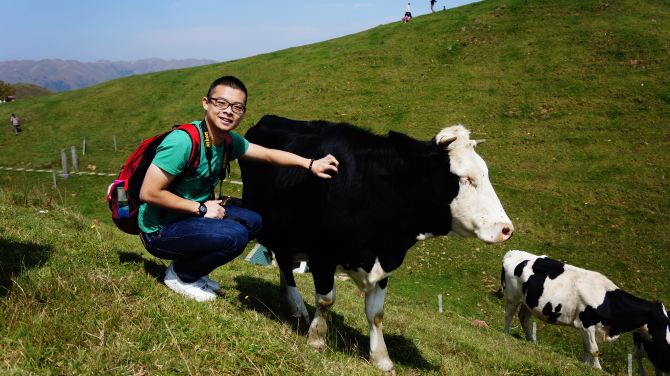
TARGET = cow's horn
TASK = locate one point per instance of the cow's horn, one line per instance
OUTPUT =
(445, 140)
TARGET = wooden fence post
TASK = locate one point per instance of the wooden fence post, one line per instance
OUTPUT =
(83, 147)
(114, 137)
(75, 161)
(63, 161)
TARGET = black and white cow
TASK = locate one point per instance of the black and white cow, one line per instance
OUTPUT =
(559, 293)
(388, 191)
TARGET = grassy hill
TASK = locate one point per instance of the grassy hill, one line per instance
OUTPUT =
(572, 96)
(83, 299)
(27, 90)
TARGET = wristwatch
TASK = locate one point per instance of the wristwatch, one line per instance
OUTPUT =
(202, 210)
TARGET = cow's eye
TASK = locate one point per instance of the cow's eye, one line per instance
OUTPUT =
(467, 180)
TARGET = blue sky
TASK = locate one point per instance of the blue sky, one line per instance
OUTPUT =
(176, 29)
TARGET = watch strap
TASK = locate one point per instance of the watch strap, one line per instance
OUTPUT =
(202, 210)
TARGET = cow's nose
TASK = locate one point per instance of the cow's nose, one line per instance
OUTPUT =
(507, 232)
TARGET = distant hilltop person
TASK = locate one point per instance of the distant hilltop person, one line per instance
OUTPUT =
(408, 14)
(16, 124)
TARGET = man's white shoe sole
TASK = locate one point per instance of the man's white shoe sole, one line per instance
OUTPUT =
(191, 291)
(197, 290)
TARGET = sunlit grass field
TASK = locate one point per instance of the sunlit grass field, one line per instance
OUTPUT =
(573, 98)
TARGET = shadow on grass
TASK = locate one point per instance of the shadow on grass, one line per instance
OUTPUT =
(498, 294)
(16, 257)
(154, 269)
(263, 297)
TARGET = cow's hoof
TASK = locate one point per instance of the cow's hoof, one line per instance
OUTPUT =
(318, 344)
(385, 365)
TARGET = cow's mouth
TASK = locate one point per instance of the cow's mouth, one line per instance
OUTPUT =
(497, 233)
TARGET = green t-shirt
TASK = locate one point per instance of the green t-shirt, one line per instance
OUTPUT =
(171, 157)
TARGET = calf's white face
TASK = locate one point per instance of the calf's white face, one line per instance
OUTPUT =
(476, 211)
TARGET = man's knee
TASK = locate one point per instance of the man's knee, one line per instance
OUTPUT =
(255, 224)
(251, 220)
(238, 236)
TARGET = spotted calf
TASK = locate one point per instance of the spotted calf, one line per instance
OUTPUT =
(563, 294)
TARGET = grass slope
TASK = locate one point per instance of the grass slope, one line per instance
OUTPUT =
(573, 97)
(80, 298)
(27, 90)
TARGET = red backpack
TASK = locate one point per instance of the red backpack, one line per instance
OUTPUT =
(123, 195)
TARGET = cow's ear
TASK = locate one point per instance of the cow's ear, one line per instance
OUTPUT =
(409, 148)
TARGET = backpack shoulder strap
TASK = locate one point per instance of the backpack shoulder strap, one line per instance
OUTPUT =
(194, 157)
(228, 140)
(227, 152)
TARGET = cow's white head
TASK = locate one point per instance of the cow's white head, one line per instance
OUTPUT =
(476, 210)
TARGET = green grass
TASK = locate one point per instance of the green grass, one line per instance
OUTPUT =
(79, 297)
(572, 97)
(27, 90)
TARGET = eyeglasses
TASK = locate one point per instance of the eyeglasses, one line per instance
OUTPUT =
(221, 104)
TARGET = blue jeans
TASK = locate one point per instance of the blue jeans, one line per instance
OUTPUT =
(199, 245)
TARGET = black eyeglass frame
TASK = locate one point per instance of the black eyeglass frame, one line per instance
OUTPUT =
(222, 103)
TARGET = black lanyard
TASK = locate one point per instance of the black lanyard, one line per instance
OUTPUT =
(208, 155)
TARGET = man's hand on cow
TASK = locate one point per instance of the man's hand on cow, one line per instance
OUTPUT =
(320, 167)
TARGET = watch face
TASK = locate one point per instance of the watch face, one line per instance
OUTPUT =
(202, 209)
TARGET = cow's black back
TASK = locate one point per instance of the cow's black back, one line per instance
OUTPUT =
(387, 191)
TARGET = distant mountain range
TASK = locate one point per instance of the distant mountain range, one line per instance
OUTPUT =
(63, 75)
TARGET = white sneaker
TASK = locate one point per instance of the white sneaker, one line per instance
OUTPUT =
(197, 290)
(213, 285)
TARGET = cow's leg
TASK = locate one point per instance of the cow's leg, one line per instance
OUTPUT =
(590, 347)
(524, 319)
(290, 292)
(640, 367)
(638, 353)
(510, 310)
(324, 285)
(374, 310)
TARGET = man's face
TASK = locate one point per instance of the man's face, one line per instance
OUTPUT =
(225, 108)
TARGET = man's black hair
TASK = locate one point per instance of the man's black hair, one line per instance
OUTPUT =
(230, 81)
